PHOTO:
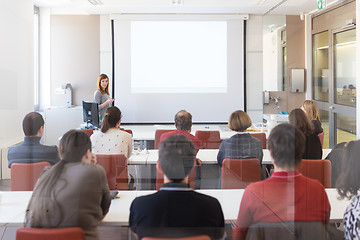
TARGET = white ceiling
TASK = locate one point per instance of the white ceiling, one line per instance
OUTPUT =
(288, 7)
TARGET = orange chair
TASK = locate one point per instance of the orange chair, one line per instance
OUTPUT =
(321, 137)
(200, 237)
(25, 175)
(238, 173)
(115, 166)
(209, 139)
(128, 131)
(160, 176)
(73, 233)
(158, 134)
(88, 131)
(319, 169)
(261, 137)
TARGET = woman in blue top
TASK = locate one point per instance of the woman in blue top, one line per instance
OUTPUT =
(101, 95)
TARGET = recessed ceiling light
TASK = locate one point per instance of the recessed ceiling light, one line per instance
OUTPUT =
(96, 2)
(259, 2)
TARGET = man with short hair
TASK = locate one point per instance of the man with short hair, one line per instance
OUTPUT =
(287, 196)
(183, 124)
(31, 151)
(176, 210)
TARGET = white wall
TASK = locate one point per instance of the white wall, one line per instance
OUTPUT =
(16, 67)
(254, 68)
(75, 56)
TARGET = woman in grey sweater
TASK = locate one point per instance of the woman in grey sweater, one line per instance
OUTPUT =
(74, 192)
(102, 95)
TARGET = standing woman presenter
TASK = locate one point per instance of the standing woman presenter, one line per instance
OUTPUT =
(101, 95)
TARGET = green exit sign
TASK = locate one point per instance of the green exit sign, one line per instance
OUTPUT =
(321, 4)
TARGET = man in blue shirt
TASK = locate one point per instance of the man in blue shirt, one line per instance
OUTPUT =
(31, 151)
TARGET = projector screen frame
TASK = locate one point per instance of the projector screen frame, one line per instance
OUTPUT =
(169, 17)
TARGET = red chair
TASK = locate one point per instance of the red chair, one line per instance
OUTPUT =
(115, 166)
(73, 233)
(25, 175)
(319, 169)
(209, 139)
(160, 176)
(238, 173)
(200, 237)
(128, 131)
(261, 137)
(321, 137)
(88, 131)
(158, 134)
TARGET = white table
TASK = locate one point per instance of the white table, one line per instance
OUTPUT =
(207, 156)
(13, 205)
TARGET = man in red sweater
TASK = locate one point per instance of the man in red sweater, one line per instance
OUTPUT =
(183, 124)
(287, 195)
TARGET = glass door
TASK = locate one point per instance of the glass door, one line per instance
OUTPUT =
(333, 80)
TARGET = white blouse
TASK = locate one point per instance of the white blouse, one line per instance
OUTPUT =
(114, 141)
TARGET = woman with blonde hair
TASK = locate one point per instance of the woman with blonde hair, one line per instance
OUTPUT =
(311, 110)
(102, 95)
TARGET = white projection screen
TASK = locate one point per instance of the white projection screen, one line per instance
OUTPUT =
(163, 66)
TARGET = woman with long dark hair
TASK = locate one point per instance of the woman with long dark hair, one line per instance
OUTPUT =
(74, 192)
(112, 140)
(313, 148)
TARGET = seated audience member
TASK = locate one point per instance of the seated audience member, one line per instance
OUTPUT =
(31, 151)
(183, 124)
(336, 158)
(176, 210)
(287, 195)
(348, 185)
(311, 111)
(313, 148)
(72, 193)
(111, 140)
(241, 145)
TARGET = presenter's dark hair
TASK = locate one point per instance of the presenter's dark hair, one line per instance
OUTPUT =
(32, 123)
(111, 118)
(298, 119)
(239, 121)
(73, 146)
(348, 182)
(101, 77)
(176, 157)
(183, 120)
(287, 145)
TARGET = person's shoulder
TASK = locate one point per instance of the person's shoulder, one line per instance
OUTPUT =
(205, 199)
(145, 200)
(313, 184)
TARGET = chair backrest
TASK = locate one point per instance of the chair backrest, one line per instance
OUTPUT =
(128, 131)
(88, 131)
(261, 137)
(319, 169)
(73, 233)
(200, 237)
(209, 139)
(25, 175)
(158, 134)
(115, 166)
(238, 173)
(321, 137)
(287, 230)
(160, 176)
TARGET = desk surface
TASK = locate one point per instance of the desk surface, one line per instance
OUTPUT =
(13, 205)
(207, 156)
